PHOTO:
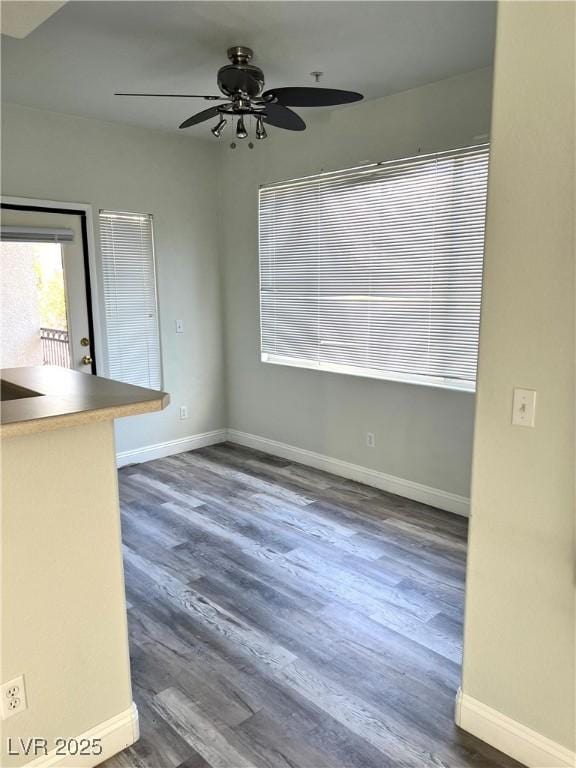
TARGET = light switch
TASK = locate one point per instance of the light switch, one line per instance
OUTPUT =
(524, 407)
(179, 326)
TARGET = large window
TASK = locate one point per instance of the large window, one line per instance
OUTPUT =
(130, 303)
(377, 271)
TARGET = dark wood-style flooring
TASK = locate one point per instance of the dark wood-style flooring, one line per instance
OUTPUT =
(282, 617)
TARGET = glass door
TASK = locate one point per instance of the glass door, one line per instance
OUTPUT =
(44, 313)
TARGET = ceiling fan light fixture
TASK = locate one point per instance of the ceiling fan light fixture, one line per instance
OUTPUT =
(260, 130)
(241, 84)
(219, 127)
(241, 131)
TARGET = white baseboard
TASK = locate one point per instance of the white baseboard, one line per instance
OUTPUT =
(509, 736)
(435, 497)
(170, 447)
(115, 734)
(423, 493)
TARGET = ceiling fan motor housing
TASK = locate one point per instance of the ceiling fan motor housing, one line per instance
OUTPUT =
(240, 78)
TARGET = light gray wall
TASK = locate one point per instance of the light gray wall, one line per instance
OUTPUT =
(422, 434)
(60, 157)
(519, 650)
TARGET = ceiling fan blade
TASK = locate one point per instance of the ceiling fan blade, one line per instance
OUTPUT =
(282, 117)
(176, 96)
(206, 114)
(312, 97)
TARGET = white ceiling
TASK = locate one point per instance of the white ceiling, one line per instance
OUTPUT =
(76, 59)
(19, 19)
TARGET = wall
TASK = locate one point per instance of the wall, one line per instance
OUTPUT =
(422, 434)
(519, 649)
(60, 157)
(62, 585)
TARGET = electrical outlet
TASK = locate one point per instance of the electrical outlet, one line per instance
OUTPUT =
(183, 412)
(13, 697)
(370, 439)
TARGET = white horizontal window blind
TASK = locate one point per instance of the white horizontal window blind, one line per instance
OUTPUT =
(377, 271)
(130, 301)
(25, 234)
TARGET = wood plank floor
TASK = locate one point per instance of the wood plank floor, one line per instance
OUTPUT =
(282, 617)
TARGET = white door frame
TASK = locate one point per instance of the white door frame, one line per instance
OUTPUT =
(93, 266)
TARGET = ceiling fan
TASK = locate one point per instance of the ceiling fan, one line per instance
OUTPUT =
(242, 84)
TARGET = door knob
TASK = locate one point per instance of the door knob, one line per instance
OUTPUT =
(85, 342)
(87, 360)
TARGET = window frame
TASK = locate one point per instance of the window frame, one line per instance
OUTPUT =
(457, 385)
(435, 382)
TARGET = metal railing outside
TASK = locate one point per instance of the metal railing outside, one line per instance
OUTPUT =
(55, 347)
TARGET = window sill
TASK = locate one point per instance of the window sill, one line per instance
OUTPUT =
(367, 373)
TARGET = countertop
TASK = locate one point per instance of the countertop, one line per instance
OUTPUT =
(64, 398)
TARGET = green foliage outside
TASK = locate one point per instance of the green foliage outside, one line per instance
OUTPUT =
(51, 298)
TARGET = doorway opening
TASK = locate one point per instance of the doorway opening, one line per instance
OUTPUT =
(46, 299)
